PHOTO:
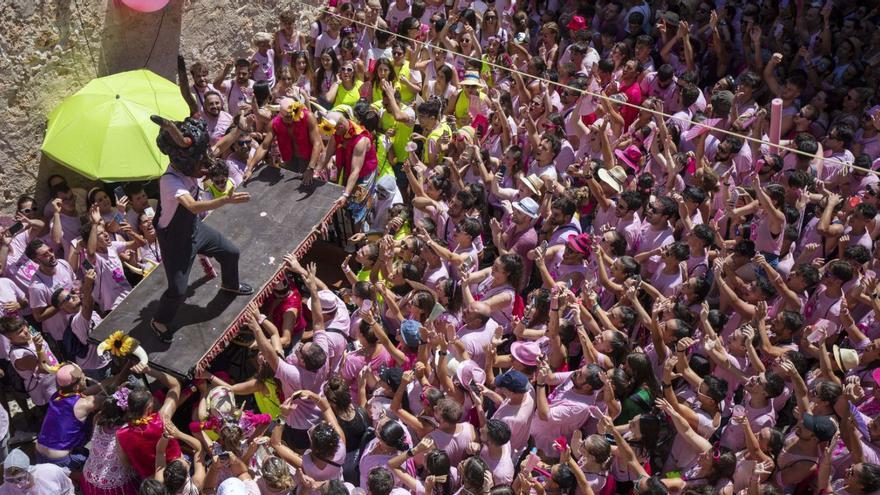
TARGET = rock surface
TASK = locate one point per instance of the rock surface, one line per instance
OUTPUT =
(51, 48)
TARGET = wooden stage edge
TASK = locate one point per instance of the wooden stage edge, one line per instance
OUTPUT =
(280, 217)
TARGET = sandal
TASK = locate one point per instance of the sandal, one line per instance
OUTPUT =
(165, 337)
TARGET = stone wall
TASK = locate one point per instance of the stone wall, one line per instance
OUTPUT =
(51, 48)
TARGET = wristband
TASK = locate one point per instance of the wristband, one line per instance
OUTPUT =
(345, 195)
(442, 353)
(261, 319)
(410, 453)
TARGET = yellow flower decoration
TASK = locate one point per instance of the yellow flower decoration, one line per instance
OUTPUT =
(327, 128)
(119, 344)
(297, 111)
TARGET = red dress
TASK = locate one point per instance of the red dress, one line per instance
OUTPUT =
(138, 442)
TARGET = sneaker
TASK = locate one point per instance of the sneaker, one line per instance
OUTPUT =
(241, 290)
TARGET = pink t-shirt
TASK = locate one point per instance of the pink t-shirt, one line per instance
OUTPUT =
(40, 295)
(328, 472)
(502, 468)
(476, 340)
(456, 443)
(568, 412)
(293, 378)
(111, 286)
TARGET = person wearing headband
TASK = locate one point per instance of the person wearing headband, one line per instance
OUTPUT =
(355, 153)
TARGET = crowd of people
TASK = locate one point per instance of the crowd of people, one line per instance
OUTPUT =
(581, 265)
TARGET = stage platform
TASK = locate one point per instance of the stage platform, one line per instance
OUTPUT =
(280, 217)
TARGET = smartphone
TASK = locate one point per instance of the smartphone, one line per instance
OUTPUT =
(118, 192)
(119, 218)
(34, 332)
(148, 211)
(474, 387)
(15, 228)
(366, 305)
(544, 245)
(87, 265)
(296, 395)
(502, 170)
(216, 448)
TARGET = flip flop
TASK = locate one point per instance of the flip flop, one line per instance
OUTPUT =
(165, 337)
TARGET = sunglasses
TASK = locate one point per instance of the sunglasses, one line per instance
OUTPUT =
(398, 54)
(245, 143)
(346, 69)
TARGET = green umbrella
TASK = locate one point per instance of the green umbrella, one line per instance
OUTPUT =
(104, 131)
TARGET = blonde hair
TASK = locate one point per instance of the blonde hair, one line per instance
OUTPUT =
(262, 37)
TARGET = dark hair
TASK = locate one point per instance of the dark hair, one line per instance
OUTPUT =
(430, 108)
(10, 324)
(857, 253)
(633, 200)
(152, 486)
(498, 431)
(471, 226)
(704, 233)
(679, 250)
(869, 477)
(138, 400)
(473, 472)
(564, 204)
(338, 393)
(694, 194)
(334, 65)
(380, 481)
(324, 440)
(31, 249)
(642, 373)
(775, 384)
(314, 358)
(618, 244)
(716, 388)
(175, 475)
(513, 268)
(840, 270)
(564, 478)
(393, 435)
(261, 92)
(689, 94)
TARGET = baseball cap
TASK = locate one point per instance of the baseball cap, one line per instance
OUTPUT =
(822, 426)
(409, 333)
(513, 380)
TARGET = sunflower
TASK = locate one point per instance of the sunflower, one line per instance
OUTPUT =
(119, 344)
(297, 111)
(327, 128)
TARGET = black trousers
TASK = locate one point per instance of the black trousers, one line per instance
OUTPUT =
(179, 250)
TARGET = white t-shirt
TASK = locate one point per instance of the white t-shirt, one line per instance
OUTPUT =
(173, 185)
(111, 286)
(82, 327)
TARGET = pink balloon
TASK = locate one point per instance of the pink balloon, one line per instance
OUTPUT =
(145, 5)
